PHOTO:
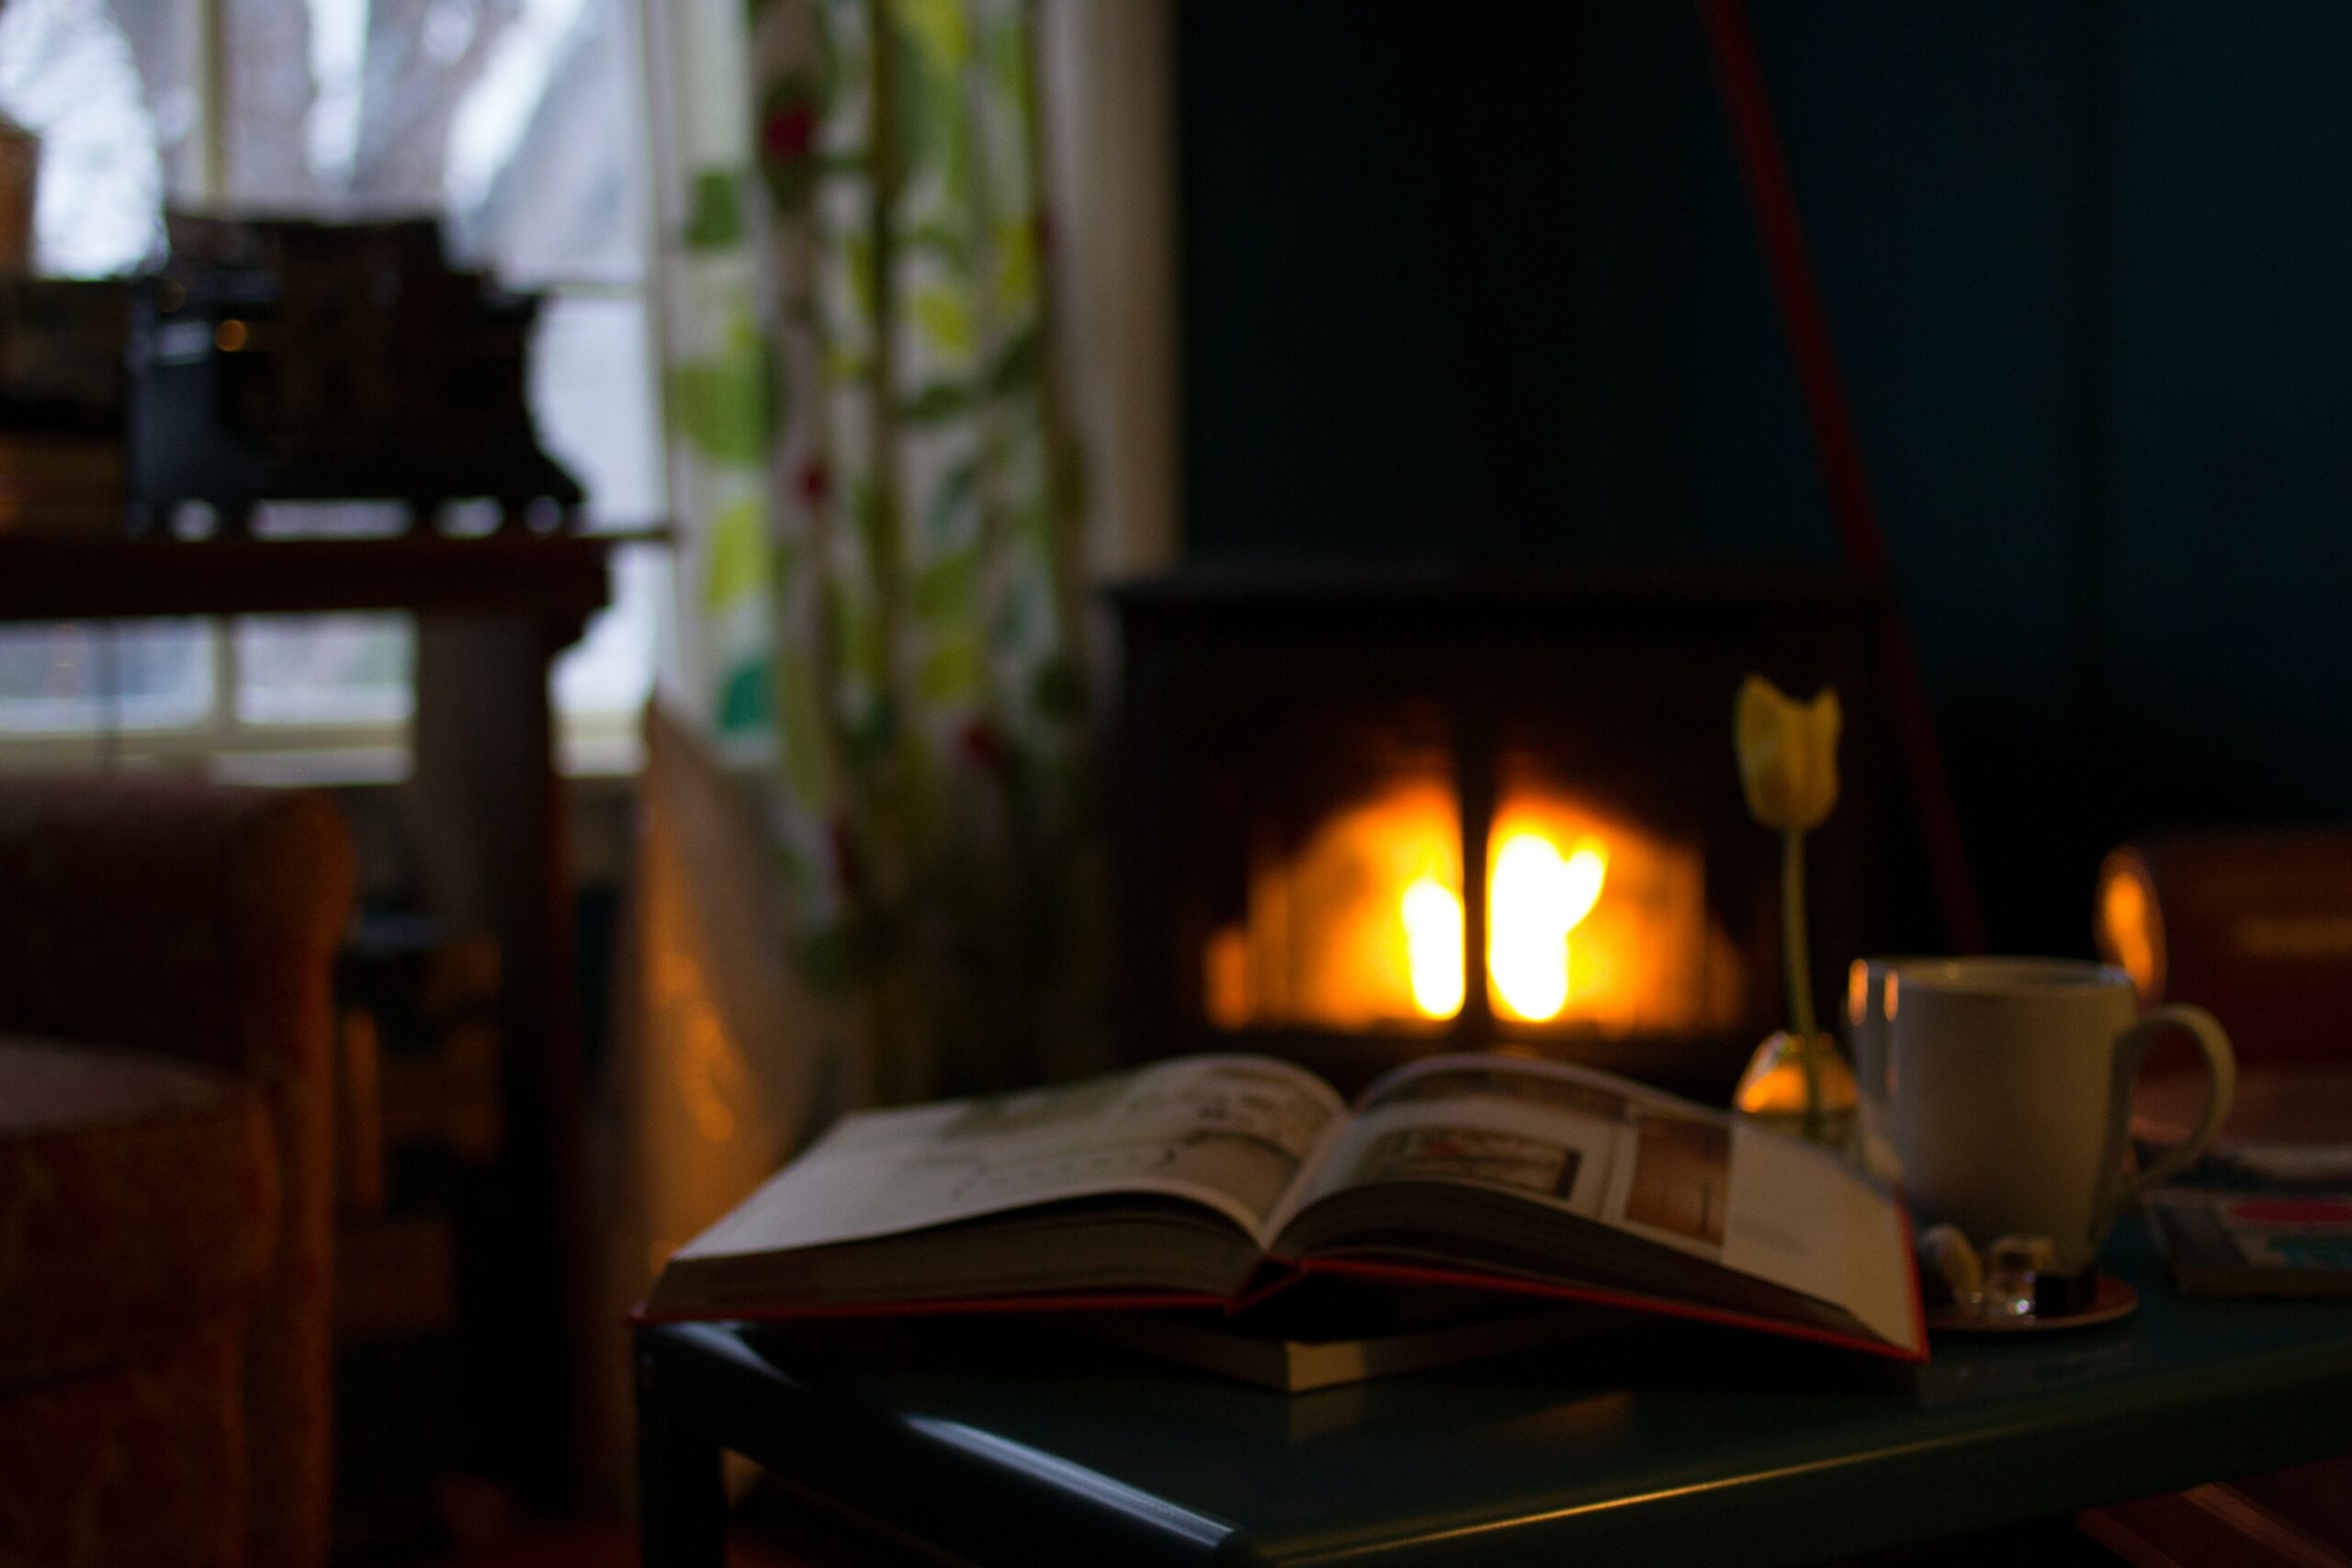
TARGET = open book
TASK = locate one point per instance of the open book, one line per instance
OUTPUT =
(1214, 1179)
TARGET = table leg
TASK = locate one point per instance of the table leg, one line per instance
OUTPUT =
(485, 806)
(682, 1493)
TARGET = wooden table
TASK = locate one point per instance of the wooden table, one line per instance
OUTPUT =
(1006, 1444)
(491, 614)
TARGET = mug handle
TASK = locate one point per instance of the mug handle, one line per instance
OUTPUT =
(2221, 1072)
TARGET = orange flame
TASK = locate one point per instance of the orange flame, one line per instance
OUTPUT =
(1432, 915)
(1535, 898)
(1590, 922)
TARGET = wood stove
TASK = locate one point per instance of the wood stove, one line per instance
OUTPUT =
(1365, 818)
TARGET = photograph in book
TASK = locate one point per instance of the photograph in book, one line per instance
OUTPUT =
(1212, 1180)
(1465, 1154)
(1572, 1095)
(1681, 1177)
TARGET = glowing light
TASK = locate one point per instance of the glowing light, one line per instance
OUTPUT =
(1225, 975)
(2130, 930)
(1535, 898)
(1432, 914)
(1587, 869)
(1366, 924)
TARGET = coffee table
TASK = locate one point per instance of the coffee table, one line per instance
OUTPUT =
(1002, 1443)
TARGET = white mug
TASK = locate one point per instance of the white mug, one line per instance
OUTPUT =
(1868, 1047)
(2009, 1094)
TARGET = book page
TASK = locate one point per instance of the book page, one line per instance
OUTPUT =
(1645, 1163)
(1536, 1129)
(1229, 1132)
(1800, 1217)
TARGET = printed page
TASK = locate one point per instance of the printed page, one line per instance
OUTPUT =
(1541, 1130)
(1645, 1162)
(1800, 1217)
(1230, 1132)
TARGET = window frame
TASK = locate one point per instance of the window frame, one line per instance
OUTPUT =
(591, 742)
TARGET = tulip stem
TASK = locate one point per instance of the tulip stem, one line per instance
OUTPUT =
(1794, 950)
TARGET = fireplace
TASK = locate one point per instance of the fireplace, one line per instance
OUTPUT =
(1363, 820)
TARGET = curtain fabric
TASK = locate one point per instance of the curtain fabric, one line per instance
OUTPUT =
(878, 555)
(874, 478)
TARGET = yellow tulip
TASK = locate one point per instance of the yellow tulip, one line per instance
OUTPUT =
(1787, 768)
(1788, 755)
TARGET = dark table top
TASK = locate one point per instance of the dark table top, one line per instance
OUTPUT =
(1007, 1442)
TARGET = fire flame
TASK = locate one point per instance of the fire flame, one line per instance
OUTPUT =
(1535, 896)
(1432, 914)
(1591, 922)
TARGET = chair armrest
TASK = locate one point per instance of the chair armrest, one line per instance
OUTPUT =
(201, 922)
(192, 919)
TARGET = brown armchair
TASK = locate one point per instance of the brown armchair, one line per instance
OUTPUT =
(166, 1196)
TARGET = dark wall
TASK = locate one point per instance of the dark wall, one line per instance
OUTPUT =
(1381, 272)
(1479, 283)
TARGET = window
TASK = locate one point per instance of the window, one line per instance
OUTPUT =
(516, 120)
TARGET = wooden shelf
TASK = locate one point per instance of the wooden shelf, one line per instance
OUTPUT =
(557, 581)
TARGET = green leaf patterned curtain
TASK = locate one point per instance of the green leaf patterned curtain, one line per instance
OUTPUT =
(867, 455)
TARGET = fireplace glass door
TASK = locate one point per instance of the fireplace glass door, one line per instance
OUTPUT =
(1340, 902)
(1363, 822)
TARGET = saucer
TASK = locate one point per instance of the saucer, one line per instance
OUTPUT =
(2110, 1299)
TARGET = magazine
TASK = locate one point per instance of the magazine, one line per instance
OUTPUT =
(2255, 1243)
(1215, 1179)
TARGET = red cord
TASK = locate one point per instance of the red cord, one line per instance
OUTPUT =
(1740, 81)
